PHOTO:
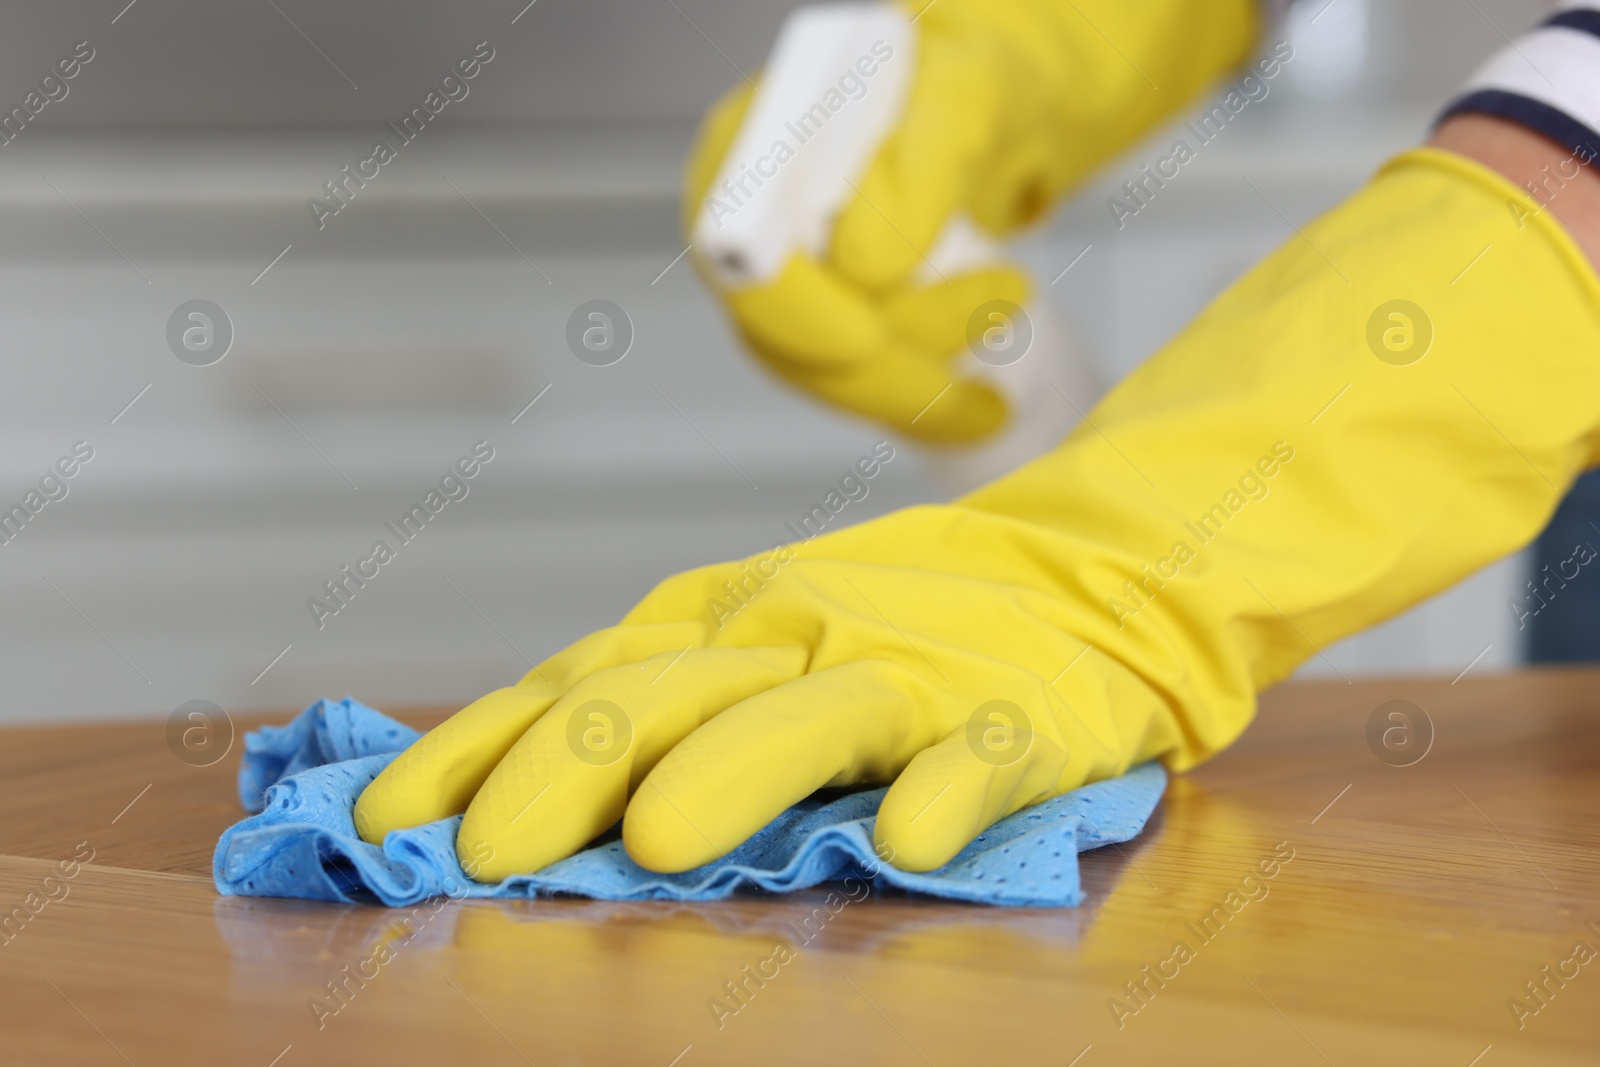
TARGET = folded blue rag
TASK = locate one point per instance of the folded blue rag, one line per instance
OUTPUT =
(303, 780)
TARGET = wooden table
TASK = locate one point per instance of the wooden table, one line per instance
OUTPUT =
(1418, 902)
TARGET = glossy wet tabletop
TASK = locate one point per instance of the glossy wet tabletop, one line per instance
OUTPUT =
(1417, 902)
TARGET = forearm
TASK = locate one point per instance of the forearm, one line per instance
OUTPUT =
(1531, 112)
(1555, 178)
(1291, 470)
(1479, 428)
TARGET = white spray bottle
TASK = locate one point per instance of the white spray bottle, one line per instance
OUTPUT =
(1030, 359)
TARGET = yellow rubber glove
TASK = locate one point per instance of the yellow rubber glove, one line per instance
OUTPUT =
(1355, 425)
(1011, 104)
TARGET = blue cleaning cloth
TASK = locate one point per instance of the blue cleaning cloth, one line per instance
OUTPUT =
(303, 779)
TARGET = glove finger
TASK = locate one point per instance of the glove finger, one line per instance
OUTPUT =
(858, 722)
(1018, 189)
(567, 780)
(938, 317)
(902, 386)
(712, 141)
(923, 171)
(809, 316)
(627, 643)
(438, 775)
(952, 792)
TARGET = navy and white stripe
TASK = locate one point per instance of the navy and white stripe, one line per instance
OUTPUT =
(1548, 80)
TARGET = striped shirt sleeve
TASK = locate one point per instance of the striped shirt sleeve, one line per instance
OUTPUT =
(1547, 80)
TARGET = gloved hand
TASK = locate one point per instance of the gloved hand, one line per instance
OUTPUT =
(1011, 104)
(1355, 425)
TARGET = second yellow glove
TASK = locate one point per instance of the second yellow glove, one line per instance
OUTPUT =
(1011, 103)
